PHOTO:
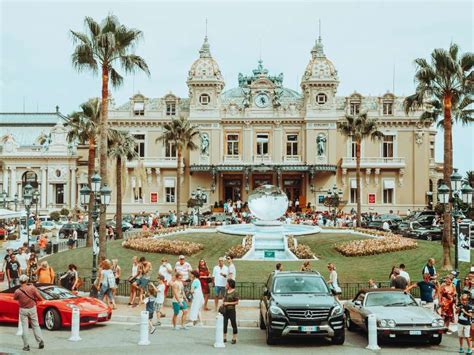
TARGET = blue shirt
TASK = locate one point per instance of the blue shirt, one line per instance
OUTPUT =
(426, 290)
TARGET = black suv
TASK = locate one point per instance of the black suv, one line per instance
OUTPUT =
(300, 304)
(67, 229)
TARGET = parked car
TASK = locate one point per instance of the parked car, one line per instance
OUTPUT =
(49, 225)
(398, 315)
(138, 221)
(415, 215)
(426, 233)
(377, 223)
(125, 225)
(55, 307)
(300, 304)
(68, 228)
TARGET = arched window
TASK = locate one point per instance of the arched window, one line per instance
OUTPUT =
(29, 177)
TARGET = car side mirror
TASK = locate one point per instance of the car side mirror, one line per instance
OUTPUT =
(265, 291)
(357, 303)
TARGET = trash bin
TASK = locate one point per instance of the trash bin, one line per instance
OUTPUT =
(55, 248)
(49, 248)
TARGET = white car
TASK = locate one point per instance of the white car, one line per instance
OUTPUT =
(49, 225)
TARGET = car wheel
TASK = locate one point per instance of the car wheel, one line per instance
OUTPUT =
(436, 341)
(52, 319)
(270, 337)
(338, 338)
(429, 238)
(349, 323)
(261, 322)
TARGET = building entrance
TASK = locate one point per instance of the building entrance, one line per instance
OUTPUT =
(232, 188)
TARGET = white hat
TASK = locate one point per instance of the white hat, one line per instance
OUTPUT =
(24, 279)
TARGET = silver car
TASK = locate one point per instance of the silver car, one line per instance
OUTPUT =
(398, 315)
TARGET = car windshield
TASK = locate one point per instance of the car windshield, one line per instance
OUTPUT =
(389, 299)
(299, 284)
(55, 293)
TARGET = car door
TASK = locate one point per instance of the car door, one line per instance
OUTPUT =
(355, 314)
(9, 308)
(266, 298)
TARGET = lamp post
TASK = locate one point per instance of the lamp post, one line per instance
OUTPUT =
(36, 196)
(4, 199)
(199, 196)
(458, 195)
(101, 197)
(27, 199)
(15, 201)
(334, 194)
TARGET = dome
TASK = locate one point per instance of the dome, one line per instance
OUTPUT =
(205, 68)
(268, 202)
(319, 67)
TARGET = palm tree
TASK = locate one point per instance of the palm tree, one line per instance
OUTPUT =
(447, 84)
(84, 129)
(181, 134)
(121, 147)
(100, 48)
(359, 128)
(470, 178)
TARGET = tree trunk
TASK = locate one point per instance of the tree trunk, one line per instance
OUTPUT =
(178, 186)
(90, 172)
(103, 156)
(118, 202)
(447, 171)
(359, 205)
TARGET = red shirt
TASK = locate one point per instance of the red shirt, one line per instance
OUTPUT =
(23, 300)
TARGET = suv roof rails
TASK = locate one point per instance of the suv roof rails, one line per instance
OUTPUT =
(297, 272)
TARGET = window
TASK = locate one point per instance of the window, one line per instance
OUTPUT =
(321, 98)
(262, 143)
(170, 150)
(139, 108)
(204, 99)
(292, 144)
(354, 107)
(138, 194)
(432, 150)
(169, 191)
(388, 108)
(170, 108)
(353, 192)
(232, 144)
(59, 194)
(387, 146)
(388, 191)
(353, 149)
(140, 147)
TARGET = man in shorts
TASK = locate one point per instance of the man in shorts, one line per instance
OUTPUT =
(464, 311)
(219, 276)
(178, 302)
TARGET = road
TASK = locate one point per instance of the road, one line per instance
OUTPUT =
(122, 337)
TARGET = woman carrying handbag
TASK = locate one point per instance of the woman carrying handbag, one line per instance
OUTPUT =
(231, 300)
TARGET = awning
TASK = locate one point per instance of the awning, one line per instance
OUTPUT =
(7, 214)
(353, 184)
(389, 184)
(169, 182)
(255, 167)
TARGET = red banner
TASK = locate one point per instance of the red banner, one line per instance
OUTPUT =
(153, 197)
(371, 199)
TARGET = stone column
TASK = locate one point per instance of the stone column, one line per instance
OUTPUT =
(50, 194)
(13, 182)
(5, 179)
(43, 188)
(73, 201)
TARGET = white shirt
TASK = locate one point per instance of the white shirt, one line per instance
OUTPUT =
(233, 271)
(219, 280)
(21, 258)
(183, 269)
(160, 295)
(163, 270)
(385, 226)
(405, 275)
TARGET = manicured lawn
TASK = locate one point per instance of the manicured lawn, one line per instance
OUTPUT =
(350, 269)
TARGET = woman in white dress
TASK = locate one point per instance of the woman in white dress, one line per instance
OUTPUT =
(198, 298)
(333, 283)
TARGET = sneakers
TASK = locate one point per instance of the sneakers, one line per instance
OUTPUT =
(175, 328)
(461, 350)
(152, 330)
(26, 348)
(468, 351)
(185, 327)
(41, 344)
(158, 323)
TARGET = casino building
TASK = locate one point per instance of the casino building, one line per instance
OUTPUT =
(262, 132)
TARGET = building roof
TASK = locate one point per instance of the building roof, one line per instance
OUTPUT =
(30, 118)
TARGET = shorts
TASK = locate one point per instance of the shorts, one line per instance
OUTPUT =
(143, 282)
(219, 291)
(178, 307)
(150, 307)
(464, 331)
(158, 307)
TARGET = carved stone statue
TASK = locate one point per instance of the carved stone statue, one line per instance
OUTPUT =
(204, 144)
(321, 144)
(277, 94)
(247, 98)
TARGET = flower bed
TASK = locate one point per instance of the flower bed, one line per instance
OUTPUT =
(386, 244)
(302, 251)
(143, 241)
(238, 251)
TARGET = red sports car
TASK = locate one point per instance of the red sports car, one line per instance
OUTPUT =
(55, 308)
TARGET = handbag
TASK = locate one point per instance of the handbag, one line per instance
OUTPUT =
(222, 309)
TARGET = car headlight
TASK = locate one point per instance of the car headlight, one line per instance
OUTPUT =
(72, 306)
(383, 323)
(391, 323)
(337, 311)
(437, 322)
(276, 310)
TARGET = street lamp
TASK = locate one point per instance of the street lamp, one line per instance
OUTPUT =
(101, 198)
(459, 195)
(27, 200)
(334, 194)
(4, 198)
(36, 197)
(15, 201)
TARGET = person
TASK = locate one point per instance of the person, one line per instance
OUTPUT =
(70, 241)
(21, 257)
(144, 270)
(398, 281)
(403, 273)
(447, 301)
(6, 260)
(386, 226)
(219, 277)
(150, 305)
(74, 238)
(306, 266)
(464, 311)
(117, 272)
(178, 301)
(427, 288)
(27, 296)
(198, 298)
(132, 280)
(166, 271)
(13, 271)
(232, 270)
(107, 283)
(278, 268)
(231, 300)
(372, 284)
(32, 268)
(456, 282)
(160, 298)
(205, 279)
(333, 284)
(183, 267)
(45, 273)
(70, 278)
(430, 268)
(42, 242)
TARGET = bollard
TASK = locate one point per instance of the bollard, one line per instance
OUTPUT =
(75, 325)
(219, 331)
(19, 331)
(144, 329)
(372, 330)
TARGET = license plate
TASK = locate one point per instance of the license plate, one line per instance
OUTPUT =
(309, 329)
(415, 332)
(102, 315)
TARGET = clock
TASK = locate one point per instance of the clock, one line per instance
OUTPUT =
(262, 100)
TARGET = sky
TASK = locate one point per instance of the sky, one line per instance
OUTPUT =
(372, 44)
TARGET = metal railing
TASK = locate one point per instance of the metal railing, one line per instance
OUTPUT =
(63, 244)
(374, 162)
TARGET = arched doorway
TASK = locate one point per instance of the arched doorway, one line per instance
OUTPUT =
(29, 177)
